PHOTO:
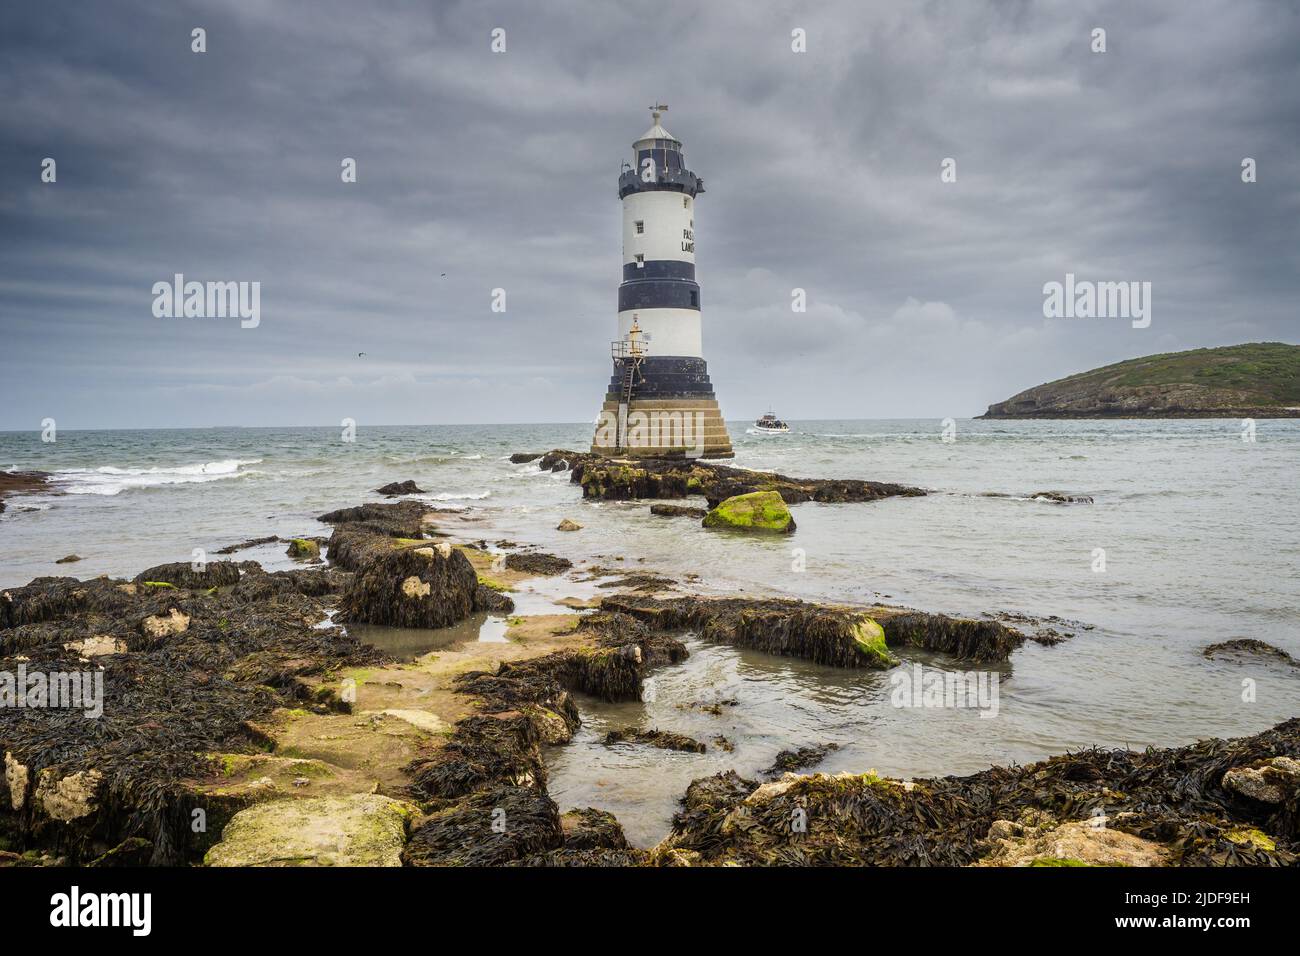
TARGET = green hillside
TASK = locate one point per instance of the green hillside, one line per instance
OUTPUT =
(1260, 378)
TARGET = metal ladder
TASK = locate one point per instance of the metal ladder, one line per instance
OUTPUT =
(629, 381)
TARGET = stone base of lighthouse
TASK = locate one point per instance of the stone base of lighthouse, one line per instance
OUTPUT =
(672, 413)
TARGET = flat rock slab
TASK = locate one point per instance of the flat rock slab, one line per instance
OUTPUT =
(362, 829)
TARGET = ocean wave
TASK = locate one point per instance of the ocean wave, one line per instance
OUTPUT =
(111, 480)
(458, 496)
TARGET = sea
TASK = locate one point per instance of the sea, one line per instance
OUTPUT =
(1192, 538)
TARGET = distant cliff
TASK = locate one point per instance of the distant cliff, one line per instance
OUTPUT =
(1257, 380)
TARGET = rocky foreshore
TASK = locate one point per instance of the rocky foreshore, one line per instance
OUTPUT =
(21, 482)
(618, 479)
(240, 724)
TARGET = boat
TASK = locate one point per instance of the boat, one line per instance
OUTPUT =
(769, 424)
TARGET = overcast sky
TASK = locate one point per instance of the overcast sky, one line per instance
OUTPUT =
(925, 298)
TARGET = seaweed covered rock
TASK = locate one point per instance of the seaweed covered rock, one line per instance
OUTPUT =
(801, 758)
(592, 829)
(1180, 807)
(432, 586)
(1249, 649)
(537, 562)
(57, 598)
(398, 519)
(492, 827)
(611, 629)
(838, 636)
(484, 750)
(756, 511)
(362, 829)
(964, 638)
(488, 599)
(616, 479)
(663, 739)
(677, 511)
(258, 585)
(249, 543)
(178, 672)
(591, 837)
(182, 574)
(394, 488)
(303, 548)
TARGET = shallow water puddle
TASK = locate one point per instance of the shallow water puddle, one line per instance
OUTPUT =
(746, 707)
(408, 643)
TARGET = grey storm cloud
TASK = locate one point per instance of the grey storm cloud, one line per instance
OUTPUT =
(480, 170)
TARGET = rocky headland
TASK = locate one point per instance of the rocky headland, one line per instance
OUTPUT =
(1258, 380)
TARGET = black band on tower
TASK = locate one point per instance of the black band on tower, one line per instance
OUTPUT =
(659, 269)
(658, 294)
(667, 376)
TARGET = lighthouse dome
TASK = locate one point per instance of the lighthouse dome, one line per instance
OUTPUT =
(655, 132)
(656, 137)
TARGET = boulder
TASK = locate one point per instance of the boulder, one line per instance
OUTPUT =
(68, 559)
(183, 574)
(1071, 844)
(869, 639)
(361, 829)
(407, 487)
(568, 525)
(537, 562)
(303, 548)
(757, 511)
(1268, 781)
(68, 798)
(677, 511)
(492, 827)
(432, 586)
(398, 519)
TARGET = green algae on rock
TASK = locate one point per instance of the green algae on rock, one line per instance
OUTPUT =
(756, 511)
(303, 548)
(869, 639)
(360, 829)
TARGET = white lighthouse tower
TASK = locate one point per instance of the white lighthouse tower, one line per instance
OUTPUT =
(660, 402)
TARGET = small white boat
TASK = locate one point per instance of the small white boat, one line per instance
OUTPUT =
(769, 424)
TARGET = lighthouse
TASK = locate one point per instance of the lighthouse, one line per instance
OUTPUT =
(660, 402)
